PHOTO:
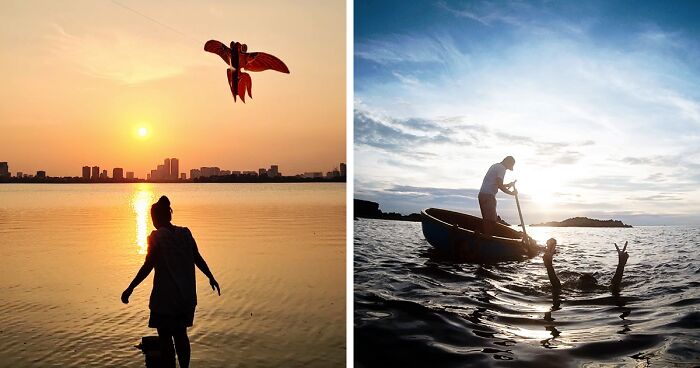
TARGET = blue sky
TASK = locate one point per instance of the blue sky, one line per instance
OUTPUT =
(599, 102)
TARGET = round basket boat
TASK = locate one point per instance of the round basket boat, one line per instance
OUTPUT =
(459, 235)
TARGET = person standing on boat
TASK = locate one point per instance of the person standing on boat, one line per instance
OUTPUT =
(173, 253)
(493, 181)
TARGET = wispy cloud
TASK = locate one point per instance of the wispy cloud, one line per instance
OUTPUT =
(121, 56)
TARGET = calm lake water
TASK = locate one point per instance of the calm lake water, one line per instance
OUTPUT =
(412, 309)
(277, 250)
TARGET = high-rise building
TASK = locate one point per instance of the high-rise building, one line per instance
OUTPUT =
(129, 174)
(262, 172)
(41, 174)
(19, 174)
(103, 175)
(195, 173)
(274, 171)
(343, 169)
(4, 169)
(95, 173)
(166, 169)
(174, 168)
(118, 173)
(86, 172)
(153, 175)
(162, 172)
(183, 176)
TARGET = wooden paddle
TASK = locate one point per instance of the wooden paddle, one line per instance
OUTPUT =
(526, 239)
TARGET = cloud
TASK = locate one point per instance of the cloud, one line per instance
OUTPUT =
(405, 135)
(120, 56)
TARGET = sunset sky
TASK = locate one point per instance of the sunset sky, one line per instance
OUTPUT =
(80, 78)
(598, 101)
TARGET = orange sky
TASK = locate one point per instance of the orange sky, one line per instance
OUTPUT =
(80, 77)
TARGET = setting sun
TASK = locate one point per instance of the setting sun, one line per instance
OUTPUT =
(142, 132)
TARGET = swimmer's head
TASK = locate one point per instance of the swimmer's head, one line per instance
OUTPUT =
(551, 244)
(587, 282)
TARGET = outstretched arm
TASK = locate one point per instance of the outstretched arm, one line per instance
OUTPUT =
(140, 276)
(548, 258)
(622, 257)
(202, 265)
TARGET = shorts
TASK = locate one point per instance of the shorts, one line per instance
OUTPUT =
(171, 322)
(487, 203)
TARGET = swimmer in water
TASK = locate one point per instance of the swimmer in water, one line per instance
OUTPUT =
(585, 281)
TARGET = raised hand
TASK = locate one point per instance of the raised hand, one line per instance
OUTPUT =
(622, 255)
(549, 252)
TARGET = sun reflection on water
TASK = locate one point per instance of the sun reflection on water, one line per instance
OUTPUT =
(141, 201)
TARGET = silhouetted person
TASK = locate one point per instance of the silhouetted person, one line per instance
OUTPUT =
(585, 281)
(173, 253)
(493, 181)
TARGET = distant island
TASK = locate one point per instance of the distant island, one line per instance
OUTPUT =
(370, 210)
(583, 222)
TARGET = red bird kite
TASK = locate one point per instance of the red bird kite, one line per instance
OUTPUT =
(238, 59)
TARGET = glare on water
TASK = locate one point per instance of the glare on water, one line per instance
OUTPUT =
(141, 201)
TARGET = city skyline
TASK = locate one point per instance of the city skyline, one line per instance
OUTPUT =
(98, 172)
(125, 88)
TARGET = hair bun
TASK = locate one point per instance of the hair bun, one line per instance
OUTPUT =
(164, 201)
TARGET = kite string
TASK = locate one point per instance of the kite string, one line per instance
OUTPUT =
(156, 21)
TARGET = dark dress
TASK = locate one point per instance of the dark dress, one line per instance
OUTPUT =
(174, 295)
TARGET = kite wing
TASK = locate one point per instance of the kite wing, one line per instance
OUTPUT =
(232, 83)
(244, 84)
(259, 61)
(220, 49)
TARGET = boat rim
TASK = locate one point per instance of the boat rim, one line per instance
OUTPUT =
(469, 231)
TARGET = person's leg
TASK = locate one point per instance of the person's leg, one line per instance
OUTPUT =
(487, 204)
(167, 352)
(182, 345)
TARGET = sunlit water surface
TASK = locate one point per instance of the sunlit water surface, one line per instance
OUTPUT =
(412, 309)
(68, 251)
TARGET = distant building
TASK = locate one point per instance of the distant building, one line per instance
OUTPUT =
(262, 172)
(153, 175)
(41, 174)
(343, 169)
(104, 174)
(253, 173)
(312, 175)
(235, 172)
(195, 173)
(86, 172)
(19, 174)
(209, 171)
(4, 169)
(183, 176)
(129, 174)
(174, 168)
(95, 173)
(148, 176)
(274, 171)
(225, 172)
(118, 173)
